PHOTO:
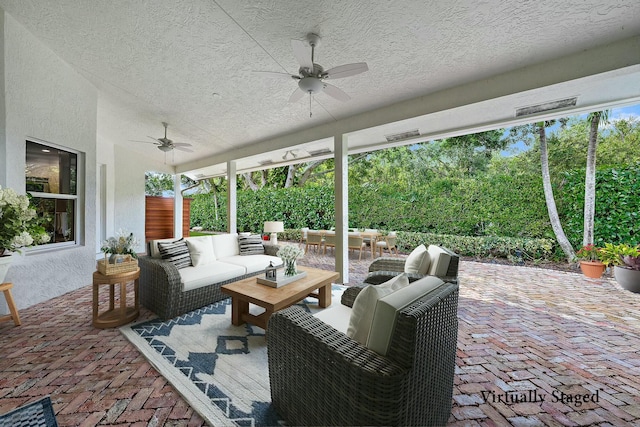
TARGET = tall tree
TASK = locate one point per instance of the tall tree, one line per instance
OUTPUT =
(595, 119)
(552, 209)
(525, 134)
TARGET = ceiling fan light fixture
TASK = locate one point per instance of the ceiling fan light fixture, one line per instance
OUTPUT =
(310, 84)
(164, 148)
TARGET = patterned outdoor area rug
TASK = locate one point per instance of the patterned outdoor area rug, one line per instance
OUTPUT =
(221, 370)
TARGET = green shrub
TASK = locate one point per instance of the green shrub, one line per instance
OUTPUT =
(617, 206)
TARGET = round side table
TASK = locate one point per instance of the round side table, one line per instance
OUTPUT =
(115, 316)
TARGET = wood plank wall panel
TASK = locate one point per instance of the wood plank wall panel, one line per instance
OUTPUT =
(159, 217)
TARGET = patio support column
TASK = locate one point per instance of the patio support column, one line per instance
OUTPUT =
(232, 202)
(177, 207)
(342, 206)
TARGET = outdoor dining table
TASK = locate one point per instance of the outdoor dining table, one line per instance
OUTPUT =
(371, 235)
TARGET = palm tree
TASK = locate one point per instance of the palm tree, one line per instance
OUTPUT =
(554, 218)
(595, 119)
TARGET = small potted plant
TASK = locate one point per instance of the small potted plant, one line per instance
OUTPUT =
(120, 246)
(626, 264)
(590, 263)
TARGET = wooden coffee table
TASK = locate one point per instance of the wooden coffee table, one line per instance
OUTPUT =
(247, 291)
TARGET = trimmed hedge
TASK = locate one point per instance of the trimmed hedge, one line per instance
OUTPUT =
(617, 218)
(514, 248)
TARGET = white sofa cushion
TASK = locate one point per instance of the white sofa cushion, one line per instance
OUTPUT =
(365, 303)
(204, 275)
(386, 311)
(440, 260)
(337, 316)
(253, 263)
(201, 250)
(225, 245)
(418, 261)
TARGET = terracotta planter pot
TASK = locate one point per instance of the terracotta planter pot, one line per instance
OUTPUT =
(592, 269)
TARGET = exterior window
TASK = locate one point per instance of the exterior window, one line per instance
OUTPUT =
(52, 180)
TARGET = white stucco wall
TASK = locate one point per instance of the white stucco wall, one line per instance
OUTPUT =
(46, 99)
(129, 207)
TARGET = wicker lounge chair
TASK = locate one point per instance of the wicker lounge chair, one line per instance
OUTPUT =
(384, 268)
(320, 376)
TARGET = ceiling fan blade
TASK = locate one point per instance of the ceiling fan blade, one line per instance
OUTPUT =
(346, 70)
(297, 95)
(181, 144)
(182, 149)
(277, 75)
(336, 92)
(155, 139)
(302, 52)
(144, 142)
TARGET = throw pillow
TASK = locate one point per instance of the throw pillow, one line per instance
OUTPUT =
(418, 261)
(365, 303)
(177, 253)
(201, 250)
(384, 318)
(251, 245)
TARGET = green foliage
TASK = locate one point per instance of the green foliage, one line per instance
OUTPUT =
(617, 205)
(482, 246)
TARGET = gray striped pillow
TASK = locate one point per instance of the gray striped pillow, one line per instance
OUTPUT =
(251, 245)
(176, 252)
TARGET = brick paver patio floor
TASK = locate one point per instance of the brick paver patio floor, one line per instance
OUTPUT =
(535, 347)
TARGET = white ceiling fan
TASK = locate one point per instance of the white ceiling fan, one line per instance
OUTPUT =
(311, 76)
(165, 144)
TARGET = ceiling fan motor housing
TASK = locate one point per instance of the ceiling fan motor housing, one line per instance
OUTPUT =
(311, 84)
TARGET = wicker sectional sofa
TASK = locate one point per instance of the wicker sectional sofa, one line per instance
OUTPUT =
(169, 291)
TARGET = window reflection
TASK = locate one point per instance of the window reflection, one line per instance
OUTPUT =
(50, 170)
(51, 179)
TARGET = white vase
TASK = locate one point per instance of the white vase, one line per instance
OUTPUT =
(5, 263)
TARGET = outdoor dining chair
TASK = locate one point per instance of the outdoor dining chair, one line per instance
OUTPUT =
(356, 241)
(314, 238)
(329, 240)
(388, 242)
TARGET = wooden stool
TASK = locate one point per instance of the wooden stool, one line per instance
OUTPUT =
(115, 316)
(6, 288)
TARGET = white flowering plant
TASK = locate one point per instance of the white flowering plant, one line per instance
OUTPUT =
(19, 224)
(124, 243)
(290, 252)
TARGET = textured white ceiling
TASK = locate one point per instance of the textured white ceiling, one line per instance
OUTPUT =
(191, 63)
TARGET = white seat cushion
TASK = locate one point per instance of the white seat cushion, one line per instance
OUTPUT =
(252, 263)
(201, 250)
(365, 303)
(225, 245)
(386, 311)
(337, 316)
(440, 260)
(204, 275)
(418, 261)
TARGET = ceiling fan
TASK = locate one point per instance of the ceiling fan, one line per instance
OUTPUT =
(311, 76)
(165, 144)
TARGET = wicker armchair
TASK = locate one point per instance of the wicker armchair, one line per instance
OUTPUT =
(320, 376)
(384, 268)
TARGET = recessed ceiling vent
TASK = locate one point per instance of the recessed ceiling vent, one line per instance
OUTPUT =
(320, 151)
(402, 135)
(547, 106)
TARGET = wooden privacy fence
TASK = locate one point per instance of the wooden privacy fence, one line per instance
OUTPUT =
(159, 217)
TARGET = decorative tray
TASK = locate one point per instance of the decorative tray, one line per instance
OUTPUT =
(281, 279)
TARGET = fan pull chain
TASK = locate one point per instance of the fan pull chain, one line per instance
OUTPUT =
(310, 113)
